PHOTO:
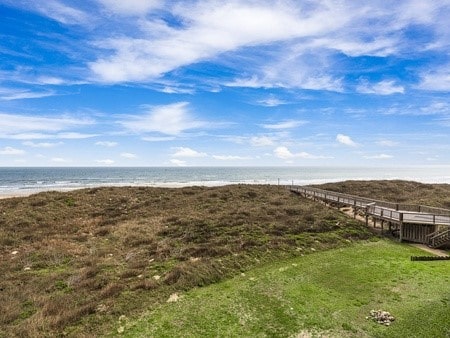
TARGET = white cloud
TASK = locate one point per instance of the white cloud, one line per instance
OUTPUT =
(60, 12)
(261, 141)
(231, 158)
(60, 160)
(298, 70)
(13, 124)
(131, 7)
(171, 119)
(42, 136)
(178, 162)
(9, 95)
(128, 155)
(41, 144)
(346, 140)
(106, 143)
(436, 80)
(11, 151)
(209, 29)
(249, 82)
(50, 80)
(285, 154)
(271, 102)
(385, 87)
(74, 135)
(158, 138)
(436, 108)
(284, 43)
(387, 143)
(174, 90)
(289, 124)
(187, 152)
(378, 157)
(105, 162)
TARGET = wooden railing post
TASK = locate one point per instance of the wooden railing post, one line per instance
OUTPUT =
(401, 227)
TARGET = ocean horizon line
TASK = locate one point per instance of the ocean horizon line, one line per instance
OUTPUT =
(17, 180)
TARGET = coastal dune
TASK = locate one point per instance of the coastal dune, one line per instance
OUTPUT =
(72, 261)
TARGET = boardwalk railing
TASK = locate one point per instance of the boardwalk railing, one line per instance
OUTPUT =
(414, 223)
(394, 212)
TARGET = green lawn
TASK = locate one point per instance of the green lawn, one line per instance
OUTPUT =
(324, 294)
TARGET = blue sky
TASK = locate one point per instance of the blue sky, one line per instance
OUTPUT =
(224, 83)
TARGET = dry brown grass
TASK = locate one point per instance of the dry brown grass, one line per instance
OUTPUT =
(86, 257)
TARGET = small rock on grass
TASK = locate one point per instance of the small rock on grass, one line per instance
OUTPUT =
(174, 297)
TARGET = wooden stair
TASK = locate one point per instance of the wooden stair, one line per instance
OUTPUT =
(439, 238)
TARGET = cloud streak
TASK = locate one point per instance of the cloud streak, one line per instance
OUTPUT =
(17, 126)
(11, 151)
(172, 119)
(386, 87)
(209, 30)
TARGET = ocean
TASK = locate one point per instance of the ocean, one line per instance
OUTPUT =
(23, 181)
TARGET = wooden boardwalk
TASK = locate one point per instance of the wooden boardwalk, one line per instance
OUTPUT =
(414, 223)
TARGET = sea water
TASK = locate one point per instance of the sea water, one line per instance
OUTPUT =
(15, 181)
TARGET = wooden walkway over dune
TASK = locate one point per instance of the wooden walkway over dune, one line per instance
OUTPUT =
(414, 223)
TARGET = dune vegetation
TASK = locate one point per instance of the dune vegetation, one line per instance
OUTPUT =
(73, 263)
(396, 191)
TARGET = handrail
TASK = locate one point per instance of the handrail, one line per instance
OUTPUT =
(438, 234)
(387, 210)
(432, 234)
(440, 238)
(391, 205)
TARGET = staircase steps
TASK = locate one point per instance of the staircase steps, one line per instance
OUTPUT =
(439, 238)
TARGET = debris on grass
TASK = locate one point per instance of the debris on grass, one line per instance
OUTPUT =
(381, 317)
(174, 297)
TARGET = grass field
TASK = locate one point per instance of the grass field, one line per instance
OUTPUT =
(73, 263)
(326, 294)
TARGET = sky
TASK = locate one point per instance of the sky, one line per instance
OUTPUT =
(224, 83)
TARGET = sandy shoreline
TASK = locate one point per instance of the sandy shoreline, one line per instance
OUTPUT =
(29, 192)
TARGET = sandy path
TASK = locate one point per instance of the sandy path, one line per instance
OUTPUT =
(436, 252)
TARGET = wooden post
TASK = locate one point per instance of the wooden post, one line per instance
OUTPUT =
(401, 227)
(382, 226)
